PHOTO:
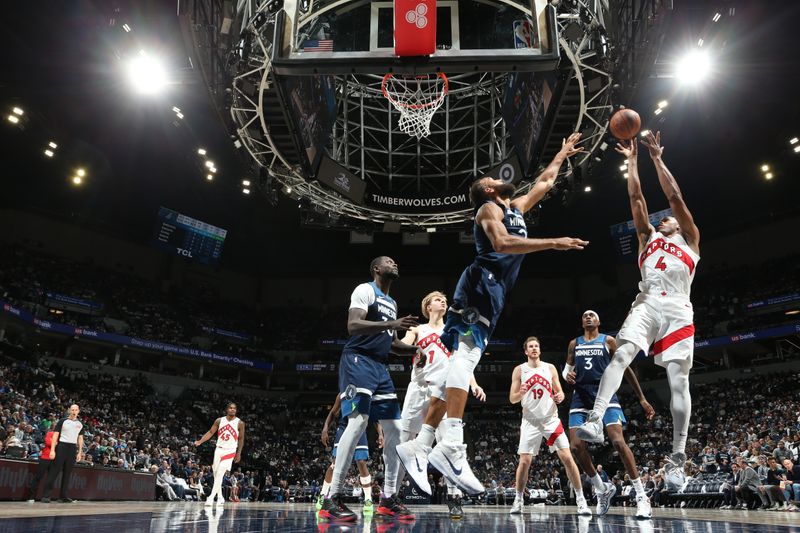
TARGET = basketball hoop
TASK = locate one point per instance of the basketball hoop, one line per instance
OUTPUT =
(416, 98)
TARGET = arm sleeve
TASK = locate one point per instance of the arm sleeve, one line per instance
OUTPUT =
(567, 369)
(363, 296)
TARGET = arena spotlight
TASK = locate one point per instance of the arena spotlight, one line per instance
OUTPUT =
(623, 168)
(210, 177)
(209, 164)
(14, 119)
(246, 183)
(626, 175)
(793, 140)
(146, 74)
(716, 17)
(48, 153)
(77, 180)
(126, 28)
(52, 145)
(797, 149)
(80, 172)
(246, 191)
(587, 189)
(658, 111)
(764, 168)
(644, 133)
(662, 104)
(768, 175)
(201, 151)
(18, 111)
(694, 67)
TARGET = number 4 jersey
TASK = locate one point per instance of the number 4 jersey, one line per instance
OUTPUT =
(667, 265)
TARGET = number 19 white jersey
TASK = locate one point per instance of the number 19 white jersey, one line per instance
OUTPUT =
(537, 402)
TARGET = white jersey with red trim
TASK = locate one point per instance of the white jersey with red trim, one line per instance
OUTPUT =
(537, 402)
(436, 354)
(667, 264)
(228, 433)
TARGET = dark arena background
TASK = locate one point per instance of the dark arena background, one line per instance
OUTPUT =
(192, 190)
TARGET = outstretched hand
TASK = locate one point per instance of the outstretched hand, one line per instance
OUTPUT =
(627, 148)
(570, 243)
(653, 144)
(407, 322)
(568, 145)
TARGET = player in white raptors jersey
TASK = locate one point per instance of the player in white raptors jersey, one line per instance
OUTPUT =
(425, 403)
(661, 318)
(229, 431)
(536, 385)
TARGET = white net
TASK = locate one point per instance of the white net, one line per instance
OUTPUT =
(416, 98)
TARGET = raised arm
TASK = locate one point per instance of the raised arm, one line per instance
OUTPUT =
(641, 219)
(633, 381)
(516, 392)
(547, 178)
(490, 217)
(673, 192)
(210, 433)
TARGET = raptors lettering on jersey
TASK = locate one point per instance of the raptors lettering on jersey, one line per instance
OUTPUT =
(227, 434)
(668, 264)
(537, 400)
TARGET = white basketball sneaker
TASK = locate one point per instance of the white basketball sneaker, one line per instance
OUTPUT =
(591, 430)
(674, 476)
(643, 509)
(414, 457)
(451, 461)
(517, 507)
(604, 498)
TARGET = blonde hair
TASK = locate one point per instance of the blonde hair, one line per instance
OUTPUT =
(428, 299)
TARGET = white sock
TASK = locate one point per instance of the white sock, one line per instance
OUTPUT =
(367, 493)
(579, 497)
(680, 404)
(325, 488)
(426, 435)
(598, 483)
(612, 376)
(454, 431)
(521, 496)
(638, 487)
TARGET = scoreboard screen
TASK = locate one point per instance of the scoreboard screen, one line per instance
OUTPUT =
(188, 237)
(624, 235)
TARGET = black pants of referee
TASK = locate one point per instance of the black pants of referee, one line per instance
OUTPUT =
(65, 459)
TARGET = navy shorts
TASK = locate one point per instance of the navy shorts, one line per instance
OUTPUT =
(361, 452)
(478, 302)
(366, 386)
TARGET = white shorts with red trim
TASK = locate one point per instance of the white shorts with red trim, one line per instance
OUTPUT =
(662, 325)
(223, 460)
(531, 433)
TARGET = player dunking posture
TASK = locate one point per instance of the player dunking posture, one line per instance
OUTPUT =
(501, 241)
(535, 384)
(587, 358)
(230, 439)
(366, 388)
(425, 401)
(661, 317)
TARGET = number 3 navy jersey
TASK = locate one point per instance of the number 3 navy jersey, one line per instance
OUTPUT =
(379, 307)
(590, 359)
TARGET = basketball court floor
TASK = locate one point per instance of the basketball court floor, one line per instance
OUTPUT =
(102, 517)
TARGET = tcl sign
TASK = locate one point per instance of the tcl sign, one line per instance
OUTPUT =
(184, 252)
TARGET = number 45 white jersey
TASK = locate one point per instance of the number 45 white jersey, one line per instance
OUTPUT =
(667, 264)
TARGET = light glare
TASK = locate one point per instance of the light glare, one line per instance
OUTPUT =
(52, 145)
(797, 148)
(587, 189)
(764, 168)
(80, 172)
(693, 67)
(146, 74)
(793, 140)
(246, 183)
(246, 191)
(209, 177)
(768, 175)
(48, 153)
(17, 111)
(201, 151)
(77, 180)
(14, 119)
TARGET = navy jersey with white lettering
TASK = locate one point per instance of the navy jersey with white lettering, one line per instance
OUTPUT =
(379, 307)
(505, 267)
(590, 359)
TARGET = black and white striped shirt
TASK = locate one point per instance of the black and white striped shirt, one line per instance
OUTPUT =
(69, 430)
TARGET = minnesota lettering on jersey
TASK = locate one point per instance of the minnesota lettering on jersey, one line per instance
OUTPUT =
(588, 352)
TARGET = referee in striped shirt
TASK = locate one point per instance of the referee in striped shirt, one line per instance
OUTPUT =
(66, 448)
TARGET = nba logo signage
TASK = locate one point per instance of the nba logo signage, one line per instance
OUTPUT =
(414, 27)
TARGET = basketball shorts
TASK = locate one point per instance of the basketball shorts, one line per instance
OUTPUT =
(532, 432)
(478, 302)
(362, 448)
(661, 325)
(365, 386)
(614, 415)
(223, 460)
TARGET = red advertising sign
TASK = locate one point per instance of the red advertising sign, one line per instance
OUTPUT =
(414, 27)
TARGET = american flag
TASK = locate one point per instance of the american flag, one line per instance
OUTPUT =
(323, 45)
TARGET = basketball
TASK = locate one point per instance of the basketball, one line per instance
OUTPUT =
(625, 124)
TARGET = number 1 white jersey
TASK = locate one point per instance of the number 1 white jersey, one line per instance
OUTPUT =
(667, 264)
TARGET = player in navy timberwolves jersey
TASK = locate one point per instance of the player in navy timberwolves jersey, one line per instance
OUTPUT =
(587, 358)
(366, 388)
(501, 239)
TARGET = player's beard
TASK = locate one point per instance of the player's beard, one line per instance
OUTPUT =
(391, 274)
(506, 190)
